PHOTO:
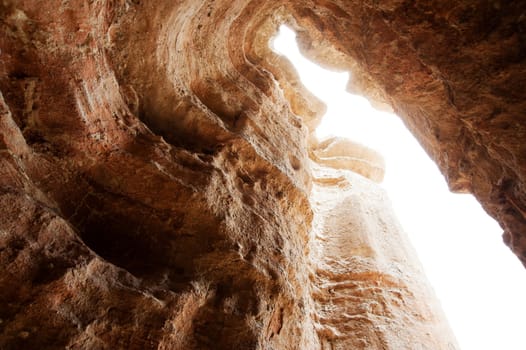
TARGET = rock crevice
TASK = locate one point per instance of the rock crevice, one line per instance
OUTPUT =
(157, 178)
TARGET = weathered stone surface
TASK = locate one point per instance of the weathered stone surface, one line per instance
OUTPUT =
(454, 71)
(369, 290)
(155, 176)
(341, 153)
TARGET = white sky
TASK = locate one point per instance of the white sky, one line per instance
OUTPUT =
(480, 283)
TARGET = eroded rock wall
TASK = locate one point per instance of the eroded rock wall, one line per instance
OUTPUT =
(454, 71)
(155, 176)
(369, 290)
(164, 243)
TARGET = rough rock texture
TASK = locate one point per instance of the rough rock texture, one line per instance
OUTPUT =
(156, 188)
(369, 290)
(454, 71)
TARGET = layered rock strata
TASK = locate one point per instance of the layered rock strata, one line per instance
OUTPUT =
(155, 182)
(369, 290)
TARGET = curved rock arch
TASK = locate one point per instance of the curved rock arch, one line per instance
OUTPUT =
(155, 175)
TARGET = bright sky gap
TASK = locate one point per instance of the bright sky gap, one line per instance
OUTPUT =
(480, 283)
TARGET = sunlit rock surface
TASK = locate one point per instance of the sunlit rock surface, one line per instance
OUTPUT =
(341, 153)
(369, 290)
(156, 189)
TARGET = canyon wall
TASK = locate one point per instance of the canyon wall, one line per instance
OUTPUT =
(161, 186)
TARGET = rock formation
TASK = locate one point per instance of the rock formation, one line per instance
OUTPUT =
(369, 292)
(161, 187)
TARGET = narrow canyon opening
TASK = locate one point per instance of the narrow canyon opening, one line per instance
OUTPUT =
(452, 234)
(162, 185)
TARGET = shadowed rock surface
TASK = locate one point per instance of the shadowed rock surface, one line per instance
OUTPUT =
(159, 176)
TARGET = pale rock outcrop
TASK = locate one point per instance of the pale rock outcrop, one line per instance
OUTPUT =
(340, 153)
(369, 289)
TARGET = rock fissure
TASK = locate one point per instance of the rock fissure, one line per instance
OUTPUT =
(161, 185)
